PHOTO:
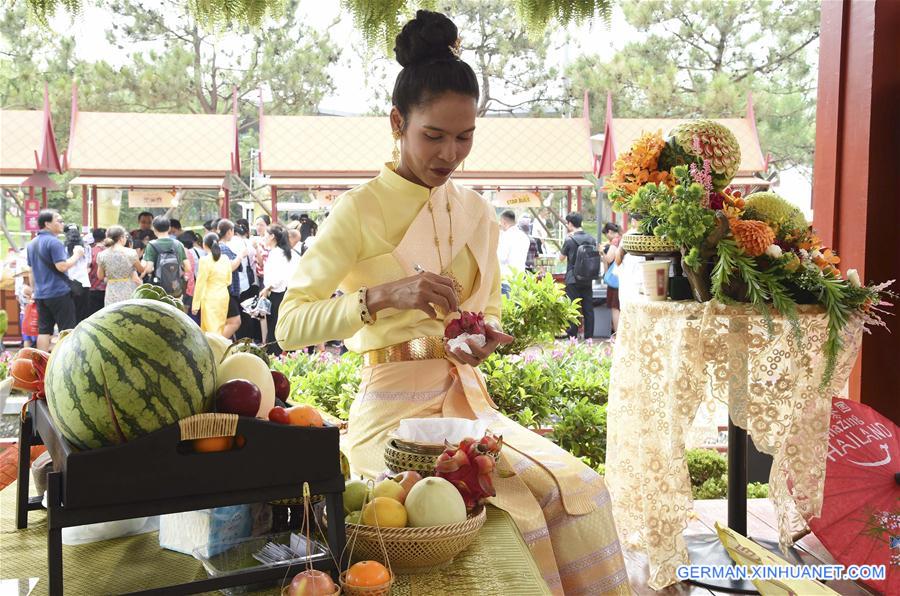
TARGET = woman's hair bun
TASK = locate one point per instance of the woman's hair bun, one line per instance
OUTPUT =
(429, 36)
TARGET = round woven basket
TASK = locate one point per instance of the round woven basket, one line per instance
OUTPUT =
(644, 244)
(380, 590)
(412, 550)
(401, 456)
(337, 592)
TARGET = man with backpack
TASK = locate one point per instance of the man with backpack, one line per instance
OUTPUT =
(167, 263)
(579, 251)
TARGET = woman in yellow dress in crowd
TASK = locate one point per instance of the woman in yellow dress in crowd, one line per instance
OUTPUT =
(408, 247)
(211, 287)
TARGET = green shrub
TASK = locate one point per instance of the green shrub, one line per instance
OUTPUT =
(581, 430)
(709, 476)
(757, 490)
(704, 464)
(713, 488)
(521, 387)
(323, 380)
(536, 310)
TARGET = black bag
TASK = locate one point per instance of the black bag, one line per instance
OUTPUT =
(167, 271)
(587, 262)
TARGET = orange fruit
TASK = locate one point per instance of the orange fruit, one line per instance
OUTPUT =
(367, 574)
(213, 444)
(304, 416)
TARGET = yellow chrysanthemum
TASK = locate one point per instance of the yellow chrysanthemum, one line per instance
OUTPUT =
(754, 237)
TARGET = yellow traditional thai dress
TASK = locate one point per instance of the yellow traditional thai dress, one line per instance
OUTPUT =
(379, 232)
(211, 292)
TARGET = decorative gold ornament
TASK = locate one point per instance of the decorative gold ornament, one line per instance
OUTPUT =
(445, 270)
(395, 154)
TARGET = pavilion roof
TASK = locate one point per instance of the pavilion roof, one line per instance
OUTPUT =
(150, 144)
(317, 147)
(27, 144)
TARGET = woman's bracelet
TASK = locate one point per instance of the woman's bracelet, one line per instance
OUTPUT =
(364, 313)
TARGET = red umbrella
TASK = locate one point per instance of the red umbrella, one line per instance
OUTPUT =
(860, 521)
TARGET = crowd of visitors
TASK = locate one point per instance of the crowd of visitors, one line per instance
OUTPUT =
(233, 278)
(220, 277)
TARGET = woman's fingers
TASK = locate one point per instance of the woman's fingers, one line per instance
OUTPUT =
(493, 334)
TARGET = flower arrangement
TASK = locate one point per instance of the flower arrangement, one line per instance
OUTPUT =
(759, 249)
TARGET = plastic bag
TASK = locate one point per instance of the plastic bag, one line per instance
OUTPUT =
(107, 530)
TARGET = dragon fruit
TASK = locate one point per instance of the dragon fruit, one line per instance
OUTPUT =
(468, 467)
(468, 326)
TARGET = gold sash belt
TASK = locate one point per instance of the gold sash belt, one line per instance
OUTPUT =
(420, 348)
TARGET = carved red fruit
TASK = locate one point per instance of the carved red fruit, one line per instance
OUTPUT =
(468, 466)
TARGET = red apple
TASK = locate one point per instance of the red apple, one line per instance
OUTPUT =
(238, 396)
(312, 582)
(407, 479)
(279, 415)
(282, 385)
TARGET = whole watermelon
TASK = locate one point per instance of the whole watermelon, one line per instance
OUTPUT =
(131, 368)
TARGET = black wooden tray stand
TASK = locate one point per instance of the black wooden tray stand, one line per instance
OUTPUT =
(154, 475)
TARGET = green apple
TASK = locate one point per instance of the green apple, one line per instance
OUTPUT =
(354, 517)
(354, 495)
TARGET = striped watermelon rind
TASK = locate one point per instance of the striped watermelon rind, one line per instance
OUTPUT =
(128, 370)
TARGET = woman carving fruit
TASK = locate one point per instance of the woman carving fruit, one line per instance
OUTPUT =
(409, 250)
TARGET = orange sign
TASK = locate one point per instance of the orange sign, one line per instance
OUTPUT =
(151, 198)
(518, 198)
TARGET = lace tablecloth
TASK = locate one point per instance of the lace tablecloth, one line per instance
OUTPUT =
(669, 358)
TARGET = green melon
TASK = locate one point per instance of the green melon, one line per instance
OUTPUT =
(128, 370)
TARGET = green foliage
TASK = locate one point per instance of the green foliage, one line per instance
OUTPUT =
(581, 430)
(538, 387)
(381, 20)
(709, 476)
(4, 322)
(704, 464)
(678, 215)
(322, 380)
(523, 388)
(700, 59)
(536, 311)
(757, 490)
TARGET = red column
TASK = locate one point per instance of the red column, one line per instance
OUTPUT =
(274, 213)
(95, 208)
(854, 195)
(226, 204)
(30, 196)
(84, 205)
(43, 198)
(569, 200)
(578, 198)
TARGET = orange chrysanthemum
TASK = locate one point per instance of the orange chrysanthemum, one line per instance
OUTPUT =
(754, 237)
(638, 166)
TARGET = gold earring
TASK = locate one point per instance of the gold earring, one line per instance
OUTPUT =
(395, 154)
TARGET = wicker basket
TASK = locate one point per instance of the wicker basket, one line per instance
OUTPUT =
(381, 590)
(645, 244)
(412, 550)
(399, 457)
(337, 592)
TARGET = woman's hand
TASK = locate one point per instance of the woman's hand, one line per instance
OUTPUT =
(264, 293)
(493, 336)
(423, 291)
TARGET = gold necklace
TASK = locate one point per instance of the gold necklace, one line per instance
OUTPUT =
(445, 271)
